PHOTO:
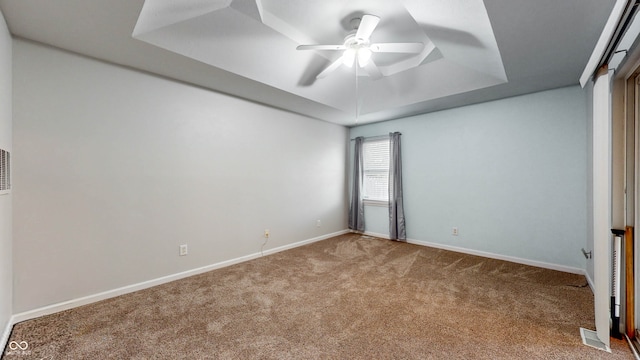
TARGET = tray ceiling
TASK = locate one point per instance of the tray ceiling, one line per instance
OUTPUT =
(257, 39)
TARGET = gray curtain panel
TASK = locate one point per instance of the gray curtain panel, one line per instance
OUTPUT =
(397, 230)
(356, 206)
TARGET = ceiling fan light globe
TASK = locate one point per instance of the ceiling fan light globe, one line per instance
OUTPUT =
(364, 55)
(349, 57)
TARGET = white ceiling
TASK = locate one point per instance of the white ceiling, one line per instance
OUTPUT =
(474, 50)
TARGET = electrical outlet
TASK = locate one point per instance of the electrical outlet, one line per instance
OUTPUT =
(183, 250)
(318, 223)
(454, 231)
(266, 233)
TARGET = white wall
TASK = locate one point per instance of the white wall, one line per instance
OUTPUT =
(510, 174)
(116, 168)
(6, 292)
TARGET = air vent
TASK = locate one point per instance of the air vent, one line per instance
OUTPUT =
(5, 171)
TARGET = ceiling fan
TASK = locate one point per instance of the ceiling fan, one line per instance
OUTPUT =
(358, 48)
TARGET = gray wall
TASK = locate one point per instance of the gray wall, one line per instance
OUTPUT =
(5, 200)
(114, 169)
(510, 174)
(589, 144)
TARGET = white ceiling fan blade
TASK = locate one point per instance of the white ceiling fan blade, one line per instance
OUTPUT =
(372, 69)
(368, 23)
(321, 47)
(408, 48)
(331, 68)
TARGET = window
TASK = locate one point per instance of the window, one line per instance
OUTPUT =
(375, 170)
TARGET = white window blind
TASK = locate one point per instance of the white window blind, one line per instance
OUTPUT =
(5, 171)
(376, 170)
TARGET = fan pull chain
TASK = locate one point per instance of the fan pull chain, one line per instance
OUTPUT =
(357, 105)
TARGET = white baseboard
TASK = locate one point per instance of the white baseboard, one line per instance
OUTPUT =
(54, 308)
(540, 264)
(514, 259)
(5, 334)
(378, 235)
(589, 281)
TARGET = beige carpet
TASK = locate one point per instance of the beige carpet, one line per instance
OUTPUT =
(349, 297)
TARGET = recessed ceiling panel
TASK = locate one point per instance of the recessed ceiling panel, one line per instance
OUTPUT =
(257, 39)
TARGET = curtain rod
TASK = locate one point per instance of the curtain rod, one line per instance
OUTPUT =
(376, 137)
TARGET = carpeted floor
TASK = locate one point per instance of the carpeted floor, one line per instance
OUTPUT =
(349, 297)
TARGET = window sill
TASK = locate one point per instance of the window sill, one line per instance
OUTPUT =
(376, 203)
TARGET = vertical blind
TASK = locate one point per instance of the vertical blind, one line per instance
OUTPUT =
(376, 170)
(602, 202)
